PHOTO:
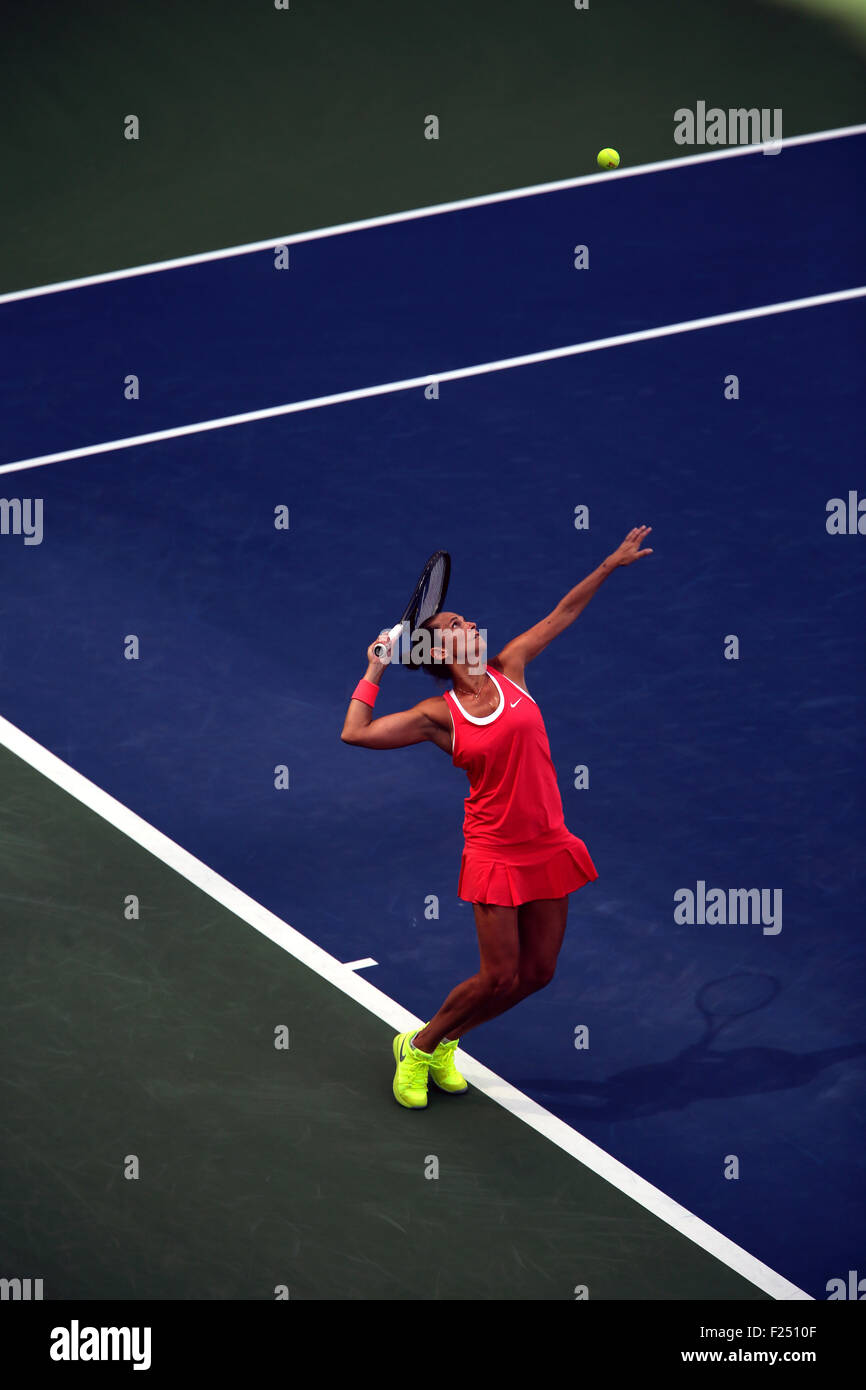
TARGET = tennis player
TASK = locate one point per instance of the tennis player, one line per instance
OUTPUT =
(520, 862)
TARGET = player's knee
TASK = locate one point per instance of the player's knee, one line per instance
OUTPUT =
(499, 983)
(531, 981)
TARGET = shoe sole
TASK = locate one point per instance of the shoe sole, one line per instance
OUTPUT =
(446, 1090)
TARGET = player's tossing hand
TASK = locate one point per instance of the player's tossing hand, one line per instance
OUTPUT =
(630, 550)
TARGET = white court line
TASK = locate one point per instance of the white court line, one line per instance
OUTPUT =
(398, 1018)
(364, 392)
(359, 964)
(534, 190)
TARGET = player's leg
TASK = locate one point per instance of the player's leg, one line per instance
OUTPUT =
(540, 931)
(489, 992)
(541, 928)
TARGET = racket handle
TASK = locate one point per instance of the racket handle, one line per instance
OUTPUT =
(393, 634)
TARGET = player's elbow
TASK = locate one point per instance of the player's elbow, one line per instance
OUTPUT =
(357, 740)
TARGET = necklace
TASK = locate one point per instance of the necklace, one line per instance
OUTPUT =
(479, 690)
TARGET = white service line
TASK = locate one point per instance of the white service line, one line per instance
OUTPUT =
(522, 1107)
(359, 964)
(459, 373)
(532, 191)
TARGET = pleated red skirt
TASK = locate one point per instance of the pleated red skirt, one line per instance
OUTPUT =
(518, 874)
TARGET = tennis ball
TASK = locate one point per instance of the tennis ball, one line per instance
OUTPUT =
(607, 159)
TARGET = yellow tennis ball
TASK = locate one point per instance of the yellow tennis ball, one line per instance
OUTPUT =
(607, 159)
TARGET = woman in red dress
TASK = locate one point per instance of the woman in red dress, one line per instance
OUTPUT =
(520, 861)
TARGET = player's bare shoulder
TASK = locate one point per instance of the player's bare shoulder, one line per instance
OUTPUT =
(509, 665)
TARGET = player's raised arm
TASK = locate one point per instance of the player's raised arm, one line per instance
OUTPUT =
(392, 730)
(524, 648)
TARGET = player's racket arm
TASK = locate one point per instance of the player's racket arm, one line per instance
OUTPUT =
(391, 731)
(409, 726)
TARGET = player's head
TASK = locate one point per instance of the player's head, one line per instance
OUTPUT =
(454, 641)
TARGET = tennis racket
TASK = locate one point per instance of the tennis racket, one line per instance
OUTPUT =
(733, 996)
(427, 598)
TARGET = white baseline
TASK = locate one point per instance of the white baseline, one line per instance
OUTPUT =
(388, 219)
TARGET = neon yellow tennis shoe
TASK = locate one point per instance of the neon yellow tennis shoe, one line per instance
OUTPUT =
(410, 1078)
(443, 1068)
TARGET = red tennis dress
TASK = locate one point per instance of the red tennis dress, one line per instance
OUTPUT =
(517, 846)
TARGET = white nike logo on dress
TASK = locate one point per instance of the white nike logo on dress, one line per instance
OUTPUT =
(515, 702)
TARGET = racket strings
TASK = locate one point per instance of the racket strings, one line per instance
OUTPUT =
(431, 593)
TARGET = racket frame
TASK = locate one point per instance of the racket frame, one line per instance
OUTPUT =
(394, 633)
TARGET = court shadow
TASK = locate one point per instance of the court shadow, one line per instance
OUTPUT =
(699, 1072)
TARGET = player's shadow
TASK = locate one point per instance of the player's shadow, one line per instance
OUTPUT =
(698, 1072)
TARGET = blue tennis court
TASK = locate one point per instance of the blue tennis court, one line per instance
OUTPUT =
(704, 772)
